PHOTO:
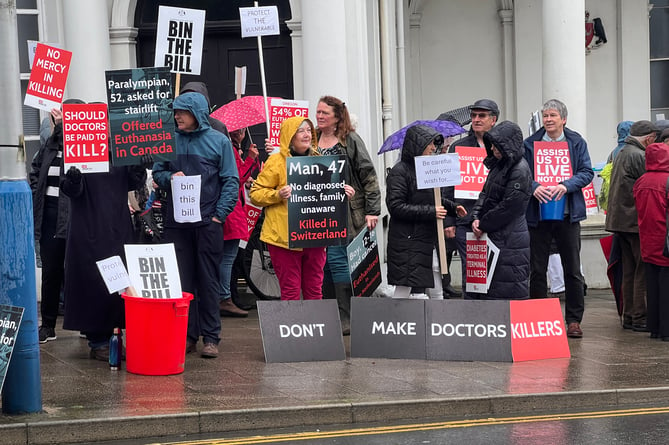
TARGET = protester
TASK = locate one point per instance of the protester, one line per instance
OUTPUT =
(336, 136)
(50, 217)
(99, 227)
(201, 87)
(484, 114)
(652, 203)
(199, 245)
(567, 232)
(296, 269)
(622, 219)
(500, 212)
(664, 137)
(412, 232)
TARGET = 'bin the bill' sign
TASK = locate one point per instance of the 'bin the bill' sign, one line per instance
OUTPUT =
(179, 39)
(85, 132)
(318, 206)
(48, 77)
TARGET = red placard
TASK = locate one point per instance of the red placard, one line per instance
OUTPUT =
(538, 330)
(552, 163)
(279, 110)
(591, 207)
(48, 77)
(472, 172)
(477, 264)
(85, 137)
(252, 215)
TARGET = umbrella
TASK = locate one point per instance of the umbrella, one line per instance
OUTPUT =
(445, 127)
(242, 112)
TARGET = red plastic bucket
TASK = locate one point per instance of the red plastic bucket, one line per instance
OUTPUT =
(155, 334)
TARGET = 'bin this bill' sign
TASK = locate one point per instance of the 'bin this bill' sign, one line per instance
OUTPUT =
(318, 206)
(85, 130)
(179, 39)
(48, 77)
(140, 115)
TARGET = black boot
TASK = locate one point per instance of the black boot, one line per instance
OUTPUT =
(344, 294)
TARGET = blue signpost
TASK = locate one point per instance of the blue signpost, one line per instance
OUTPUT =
(22, 391)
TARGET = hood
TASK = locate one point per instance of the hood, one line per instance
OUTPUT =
(196, 87)
(508, 138)
(197, 105)
(289, 128)
(657, 157)
(416, 139)
(623, 131)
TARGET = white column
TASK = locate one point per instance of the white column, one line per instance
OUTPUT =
(506, 15)
(563, 61)
(295, 26)
(86, 27)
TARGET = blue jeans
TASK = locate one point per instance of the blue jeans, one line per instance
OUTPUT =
(336, 267)
(230, 248)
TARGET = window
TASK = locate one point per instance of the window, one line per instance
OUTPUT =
(659, 59)
(27, 18)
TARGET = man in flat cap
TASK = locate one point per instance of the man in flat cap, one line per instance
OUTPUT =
(484, 114)
(621, 219)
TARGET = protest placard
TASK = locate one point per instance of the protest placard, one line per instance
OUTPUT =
(472, 172)
(10, 322)
(259, 21)
(114, 274)
(591, 207)
(186, 198)
(437, 170)
(252, 215)
(179, 39)
(280, 110)
(85, 130)
(318, 206)
(140, 115)
(48, 77)
(552, 163)
(363, 263)
(482, 255)
(153, 270)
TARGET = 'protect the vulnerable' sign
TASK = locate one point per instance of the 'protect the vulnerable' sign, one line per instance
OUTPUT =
(472, 172)
(85, 131)
(437, 171)
(552, 163)
(140, 115)
(48, 77)
(259, 21)
(317, 207)
(179, 39)
(153, 270)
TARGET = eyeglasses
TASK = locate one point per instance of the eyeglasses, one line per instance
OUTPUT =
(479, 115)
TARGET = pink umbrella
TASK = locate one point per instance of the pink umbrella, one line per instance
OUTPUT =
(243, 112)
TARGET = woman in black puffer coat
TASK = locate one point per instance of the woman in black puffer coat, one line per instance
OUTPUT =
(500, 211)
(412, 232)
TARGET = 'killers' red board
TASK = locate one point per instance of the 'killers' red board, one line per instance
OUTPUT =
(538, 330)
(85, 137)
(48, 77)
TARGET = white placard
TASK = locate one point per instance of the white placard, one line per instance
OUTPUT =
(153, 270)
(240, 81)
(179, 39)
(260, 21)
(32, 47)
(186, 198)
(437, 170)
(114, 274)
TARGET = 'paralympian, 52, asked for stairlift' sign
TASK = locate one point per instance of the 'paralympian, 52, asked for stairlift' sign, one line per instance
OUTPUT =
(301, 331)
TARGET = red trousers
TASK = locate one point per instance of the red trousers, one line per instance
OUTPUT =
(299, 270)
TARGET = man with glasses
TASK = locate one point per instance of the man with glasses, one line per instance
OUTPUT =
(484, 114)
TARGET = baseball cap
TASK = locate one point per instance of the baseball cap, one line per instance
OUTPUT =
(643, 128)
(486, 104)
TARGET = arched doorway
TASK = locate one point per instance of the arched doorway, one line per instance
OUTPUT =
(224, 49)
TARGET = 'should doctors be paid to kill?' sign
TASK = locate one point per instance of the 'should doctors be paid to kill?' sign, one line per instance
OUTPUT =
(85, 139)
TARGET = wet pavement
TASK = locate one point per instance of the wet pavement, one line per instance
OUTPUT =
(84, 401)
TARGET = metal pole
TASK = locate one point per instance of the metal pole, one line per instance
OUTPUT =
(22, 391)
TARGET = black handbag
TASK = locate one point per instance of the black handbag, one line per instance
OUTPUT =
(665, 252)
